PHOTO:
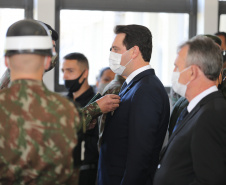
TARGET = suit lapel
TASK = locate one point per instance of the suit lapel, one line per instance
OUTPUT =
(188, 117)
(127, 88)
(183, 123)
(136, 79)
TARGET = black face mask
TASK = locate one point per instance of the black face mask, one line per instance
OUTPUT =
(73, 85)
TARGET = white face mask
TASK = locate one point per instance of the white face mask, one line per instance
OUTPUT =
(178, 87)
(115, 63)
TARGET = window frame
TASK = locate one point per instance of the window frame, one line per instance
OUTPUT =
(221, 10)
(172, 6)
(27, 5)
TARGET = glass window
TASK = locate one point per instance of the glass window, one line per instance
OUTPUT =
(7, 17)
(91, 33)
(222, 23)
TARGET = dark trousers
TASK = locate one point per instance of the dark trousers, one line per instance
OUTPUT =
(88, 177)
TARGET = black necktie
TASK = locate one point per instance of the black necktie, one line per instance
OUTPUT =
(180, 118)
(123, 86)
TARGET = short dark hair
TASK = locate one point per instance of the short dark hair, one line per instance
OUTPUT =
(82, 60)
(102, 72)
(222, 34)
(137, 35)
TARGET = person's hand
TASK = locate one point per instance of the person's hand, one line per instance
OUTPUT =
(108, 103)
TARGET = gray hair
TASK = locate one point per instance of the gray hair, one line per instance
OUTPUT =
(206, 54)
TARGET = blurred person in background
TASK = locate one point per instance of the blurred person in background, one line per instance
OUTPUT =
(222, 36)
(104, 78)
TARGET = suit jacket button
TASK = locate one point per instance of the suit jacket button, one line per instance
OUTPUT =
(159, 166)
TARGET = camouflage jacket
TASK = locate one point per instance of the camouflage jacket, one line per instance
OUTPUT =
(5, 80)
(112, 88)
(37, 135)
(90, 114)
(92, 111)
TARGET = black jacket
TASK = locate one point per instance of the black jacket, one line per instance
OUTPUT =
(90, 137)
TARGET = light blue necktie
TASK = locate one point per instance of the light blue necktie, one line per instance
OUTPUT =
(123, 86)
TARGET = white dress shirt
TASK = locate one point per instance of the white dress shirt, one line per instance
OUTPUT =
(199, 97)
(136, 72)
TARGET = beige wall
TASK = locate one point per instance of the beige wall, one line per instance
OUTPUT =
(44, 10)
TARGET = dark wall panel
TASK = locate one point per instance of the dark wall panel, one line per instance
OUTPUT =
(176, 6)
(12, 3)
(169, 6)
(25, 4)
(222, 7)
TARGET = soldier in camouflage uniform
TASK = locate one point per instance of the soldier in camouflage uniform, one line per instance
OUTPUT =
(90, 112)
(5, 79)
(37, 127)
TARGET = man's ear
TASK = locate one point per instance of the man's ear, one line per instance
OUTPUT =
(86, 73)
(7, 62)
(194, 72)
(136, 51)
(219, 79)
(47, 62)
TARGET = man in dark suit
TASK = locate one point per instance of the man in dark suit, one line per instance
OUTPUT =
(134, 133)
(196, 151)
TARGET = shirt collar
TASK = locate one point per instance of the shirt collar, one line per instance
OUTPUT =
(136, 72)
(199, 97)
(27, 81)
(84, 96)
